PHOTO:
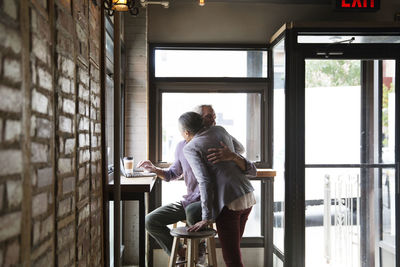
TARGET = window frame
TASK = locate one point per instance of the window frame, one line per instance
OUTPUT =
(160, 85)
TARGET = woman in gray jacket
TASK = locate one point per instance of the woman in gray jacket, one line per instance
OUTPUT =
(226, 193)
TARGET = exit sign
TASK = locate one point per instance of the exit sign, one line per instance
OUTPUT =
(358, 5)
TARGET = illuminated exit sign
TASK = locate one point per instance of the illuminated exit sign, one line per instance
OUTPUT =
(358, 5)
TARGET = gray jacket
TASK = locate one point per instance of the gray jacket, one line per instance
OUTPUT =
(219, 183)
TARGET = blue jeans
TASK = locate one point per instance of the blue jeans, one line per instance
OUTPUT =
(158, 219)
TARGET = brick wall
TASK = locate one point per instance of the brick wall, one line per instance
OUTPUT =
(50, 133)
(136, 118)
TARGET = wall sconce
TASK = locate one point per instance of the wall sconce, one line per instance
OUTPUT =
(201, 3)
(121, 5)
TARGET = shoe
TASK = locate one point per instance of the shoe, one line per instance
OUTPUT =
(202, 257)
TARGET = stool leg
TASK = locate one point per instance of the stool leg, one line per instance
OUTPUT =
(174, 252)
(212, 257)
(190, 258)
(195, 250)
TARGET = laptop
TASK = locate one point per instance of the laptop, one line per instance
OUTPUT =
(135, 173)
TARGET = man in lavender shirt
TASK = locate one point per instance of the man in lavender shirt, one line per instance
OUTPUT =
(189, 208)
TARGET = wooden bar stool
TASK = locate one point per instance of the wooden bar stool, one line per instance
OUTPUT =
(193, 239)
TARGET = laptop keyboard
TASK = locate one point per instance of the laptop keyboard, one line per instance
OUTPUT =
(139, 174)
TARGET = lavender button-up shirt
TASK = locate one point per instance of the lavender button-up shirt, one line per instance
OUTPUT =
(179, 167)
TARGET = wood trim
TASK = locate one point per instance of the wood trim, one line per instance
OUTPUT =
(52, 22)
(117, 134)
(278, 33)
(26, 140)
(266, 173)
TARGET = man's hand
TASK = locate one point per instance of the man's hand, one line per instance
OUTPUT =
(220, 154)
(199, 225)
(147, 165)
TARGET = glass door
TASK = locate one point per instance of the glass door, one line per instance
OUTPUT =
(350, 163)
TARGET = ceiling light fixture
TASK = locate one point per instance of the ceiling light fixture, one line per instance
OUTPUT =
(201, 3)
(121, 5)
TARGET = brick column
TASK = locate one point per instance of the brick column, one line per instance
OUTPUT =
(50, 133)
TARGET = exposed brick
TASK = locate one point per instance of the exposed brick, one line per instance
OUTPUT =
(94, 141)
(13, 130)
(47, 227)
(96, 156)
(83, 140)
(12, 254)
(39, 204)
(44, 128)
(10, 38)
(67, 66)
(84, 124)
(13, 101)
(64, 165)
(33, 73)
(84, 156)
(14, 193)
(46, 260)
(84, 77)
(33, 126)
(93, 114)
(69, 146)
(45, 177)
(40, 102)
(10, 162)
(69, 106)
(83, 92)
(10, 7)
(68, 185)
(65, 236)
(83, 214)
(82, 173)
(63, 258)
(83, 190)
(45, 79)
(65, 84)
(43, 3)
(10, 225)
(12, 70)
(97, 128)
(40, 49)
(64, 207)
(39, 152)
(65, 124)
(61, 151)
(82, 108)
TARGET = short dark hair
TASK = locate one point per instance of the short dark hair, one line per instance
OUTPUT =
(191, 122)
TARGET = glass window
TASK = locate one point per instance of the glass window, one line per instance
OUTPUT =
(333, 111)
(210, 63)
(388, 110)
(238, 113)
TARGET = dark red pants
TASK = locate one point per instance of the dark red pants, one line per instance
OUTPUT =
(230, 228)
